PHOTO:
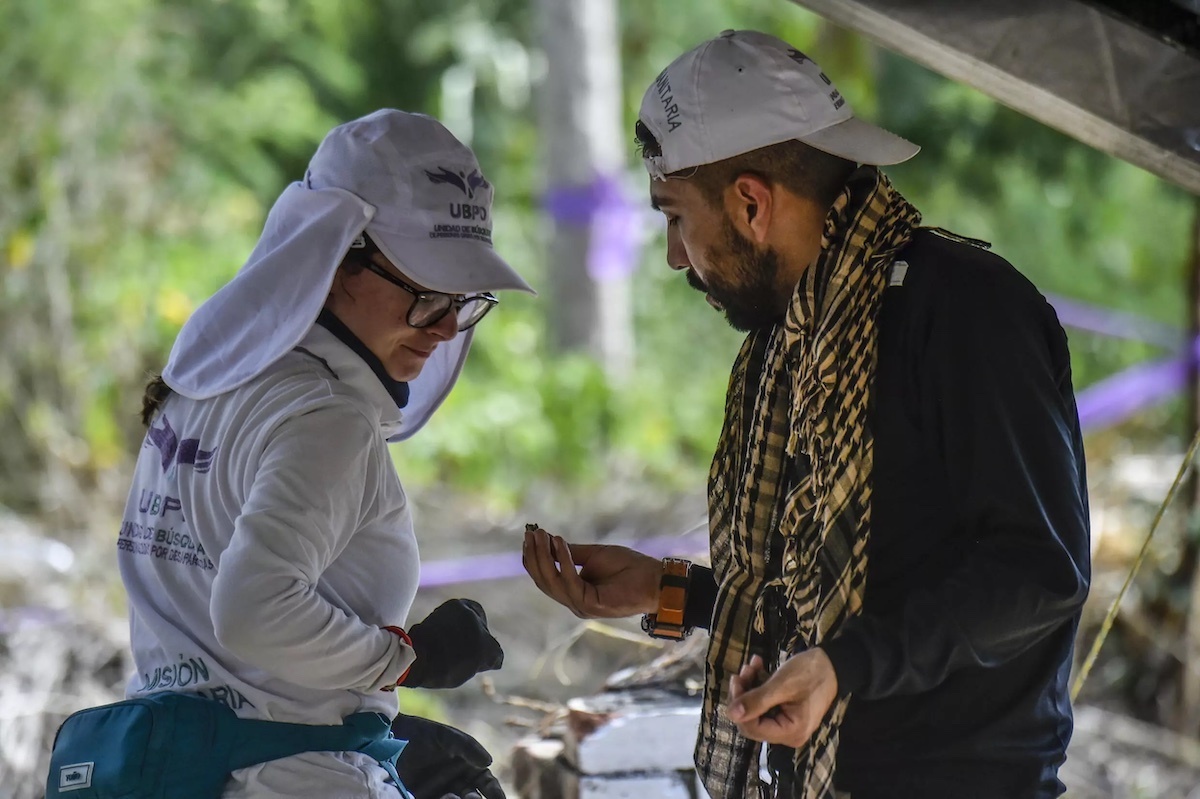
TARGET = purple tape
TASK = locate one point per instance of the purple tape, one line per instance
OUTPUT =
(1145, 385)
(1113, 399)
(506, 565)
(31, 617)
(1117, 324)
(615, 219)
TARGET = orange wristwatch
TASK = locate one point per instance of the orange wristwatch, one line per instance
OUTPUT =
(672, 599)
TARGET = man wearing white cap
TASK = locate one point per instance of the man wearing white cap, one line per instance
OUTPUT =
(898, 514)
(268, 547)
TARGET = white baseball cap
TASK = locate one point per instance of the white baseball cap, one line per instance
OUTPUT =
(744, 90)
(433, 206)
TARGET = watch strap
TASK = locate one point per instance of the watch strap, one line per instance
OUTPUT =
(667, 622)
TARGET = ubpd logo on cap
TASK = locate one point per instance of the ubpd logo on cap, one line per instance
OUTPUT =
(75, 776)
(468, 184)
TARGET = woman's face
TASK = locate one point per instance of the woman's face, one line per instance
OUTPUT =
(376, 311)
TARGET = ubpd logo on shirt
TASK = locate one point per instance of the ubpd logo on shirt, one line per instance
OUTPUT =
(75, 776)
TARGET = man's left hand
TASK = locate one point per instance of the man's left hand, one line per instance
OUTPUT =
(799, 694)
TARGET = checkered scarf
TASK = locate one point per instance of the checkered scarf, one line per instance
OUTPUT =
(790, 485)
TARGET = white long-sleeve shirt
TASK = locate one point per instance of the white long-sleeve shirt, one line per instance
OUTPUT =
(265, 542)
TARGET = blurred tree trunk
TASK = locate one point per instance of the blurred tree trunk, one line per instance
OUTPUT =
(1187, 574)
(585, 145)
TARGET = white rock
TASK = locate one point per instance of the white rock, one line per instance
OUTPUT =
(673, 786)
(650, 736)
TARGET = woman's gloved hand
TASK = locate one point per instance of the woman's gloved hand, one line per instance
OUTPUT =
(441, 762)
(452, 644)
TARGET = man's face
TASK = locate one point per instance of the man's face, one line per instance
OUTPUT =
(735, 276)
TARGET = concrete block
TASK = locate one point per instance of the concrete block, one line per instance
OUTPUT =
(651, 734)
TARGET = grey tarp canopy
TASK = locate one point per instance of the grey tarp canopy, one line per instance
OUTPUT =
(1120, 75)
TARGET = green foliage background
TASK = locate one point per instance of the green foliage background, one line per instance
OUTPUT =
(145, 140)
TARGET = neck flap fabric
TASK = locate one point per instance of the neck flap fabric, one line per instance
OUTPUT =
(395, 388)
(268, 307)
(790, 485)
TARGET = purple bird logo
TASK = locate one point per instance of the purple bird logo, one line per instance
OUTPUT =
(172, 450)
(468, 184)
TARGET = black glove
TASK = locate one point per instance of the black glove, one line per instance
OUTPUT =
(441, 762)
(452, 646)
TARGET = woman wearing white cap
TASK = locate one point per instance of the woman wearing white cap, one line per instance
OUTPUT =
(267, 545)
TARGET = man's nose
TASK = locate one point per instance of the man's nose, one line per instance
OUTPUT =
(677, 257)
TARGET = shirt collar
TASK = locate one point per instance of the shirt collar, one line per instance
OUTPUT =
(352, 370)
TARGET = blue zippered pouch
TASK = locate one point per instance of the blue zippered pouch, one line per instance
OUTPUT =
(184, 746)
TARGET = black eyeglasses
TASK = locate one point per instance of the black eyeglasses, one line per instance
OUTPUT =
(430, 307)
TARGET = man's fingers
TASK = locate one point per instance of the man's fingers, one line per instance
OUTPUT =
(542, 557)
(563, 555)
(788, 706)
(788, 727)
(540, 564)
(585, 596)
(749, 674)
(581, 553)
(753, 703)
(575, 586)
(532, 562)
(769, 730)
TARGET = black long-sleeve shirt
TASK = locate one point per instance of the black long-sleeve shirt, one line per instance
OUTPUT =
(978, 563)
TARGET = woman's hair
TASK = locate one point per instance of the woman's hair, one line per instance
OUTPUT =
(352, 261)
(157, 391)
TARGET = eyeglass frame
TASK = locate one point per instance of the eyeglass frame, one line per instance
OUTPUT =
(457, 302)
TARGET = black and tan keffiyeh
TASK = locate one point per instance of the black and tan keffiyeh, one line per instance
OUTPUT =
(790, 486)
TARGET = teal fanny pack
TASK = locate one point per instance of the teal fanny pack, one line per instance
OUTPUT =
(184, 746)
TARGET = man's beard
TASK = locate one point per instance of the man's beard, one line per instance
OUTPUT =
(743, 282)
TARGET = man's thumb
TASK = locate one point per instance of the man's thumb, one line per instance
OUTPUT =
(753, 703)
(580, 553)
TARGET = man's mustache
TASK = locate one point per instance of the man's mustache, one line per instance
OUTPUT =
(695, 282)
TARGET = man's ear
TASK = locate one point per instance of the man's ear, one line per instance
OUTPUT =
(750, 204)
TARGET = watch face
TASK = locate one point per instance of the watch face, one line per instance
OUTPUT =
(647, 624)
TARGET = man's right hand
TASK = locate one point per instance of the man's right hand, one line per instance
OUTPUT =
(613, 581)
